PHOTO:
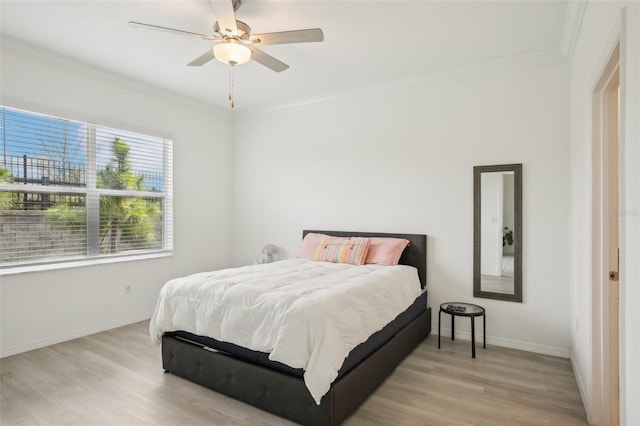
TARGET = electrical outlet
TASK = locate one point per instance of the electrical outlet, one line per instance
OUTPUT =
(127, 289)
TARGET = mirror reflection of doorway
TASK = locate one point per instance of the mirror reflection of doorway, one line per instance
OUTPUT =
(498, 224)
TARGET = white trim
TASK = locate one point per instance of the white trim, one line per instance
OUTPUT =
(559, 351)
(572, 24)
(82, 263)
(168, 200)
(546, 58)
(606, 53)
(630, 225)
(586, 401)
(48, 341)
(45, 57)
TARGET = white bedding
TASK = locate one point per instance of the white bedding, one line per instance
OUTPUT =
(306, 314)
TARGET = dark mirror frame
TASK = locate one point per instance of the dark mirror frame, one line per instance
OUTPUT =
(517, 231)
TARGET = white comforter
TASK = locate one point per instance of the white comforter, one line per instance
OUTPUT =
(306, 314)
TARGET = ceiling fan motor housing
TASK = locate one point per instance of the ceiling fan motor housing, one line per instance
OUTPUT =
(244, 31)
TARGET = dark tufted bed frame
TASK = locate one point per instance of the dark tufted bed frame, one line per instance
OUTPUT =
(286, 395)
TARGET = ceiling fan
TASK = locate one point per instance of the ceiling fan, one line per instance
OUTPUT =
(236, 45)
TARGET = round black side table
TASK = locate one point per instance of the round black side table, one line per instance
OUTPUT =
(459, 309)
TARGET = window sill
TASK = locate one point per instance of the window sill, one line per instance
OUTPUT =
(81, 263)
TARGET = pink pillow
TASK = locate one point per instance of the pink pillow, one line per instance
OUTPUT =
(310, 243)
(385, 251)
(342, 250)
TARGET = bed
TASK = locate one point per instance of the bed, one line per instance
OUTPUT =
(251, 377)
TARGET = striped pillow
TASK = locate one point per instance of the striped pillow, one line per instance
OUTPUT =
(343, 250)
(307, 249)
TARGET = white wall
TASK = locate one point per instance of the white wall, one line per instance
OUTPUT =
(601, 23)
(37, 309)
(400, 159)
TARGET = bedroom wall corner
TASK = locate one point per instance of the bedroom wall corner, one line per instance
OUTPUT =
(41, 308)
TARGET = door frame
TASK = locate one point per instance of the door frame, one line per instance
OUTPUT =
(605, 192)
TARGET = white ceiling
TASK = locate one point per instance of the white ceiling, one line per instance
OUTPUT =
(366, 42)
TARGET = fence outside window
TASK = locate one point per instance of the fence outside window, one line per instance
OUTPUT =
(77, 191)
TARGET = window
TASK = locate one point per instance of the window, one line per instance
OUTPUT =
(74, 191)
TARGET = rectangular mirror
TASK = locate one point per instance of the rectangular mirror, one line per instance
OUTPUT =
(497, 232)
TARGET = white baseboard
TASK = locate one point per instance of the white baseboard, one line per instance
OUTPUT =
(507, 343)
(52, 340)
(582, 388)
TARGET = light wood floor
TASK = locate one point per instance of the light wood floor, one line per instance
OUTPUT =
(116, 378)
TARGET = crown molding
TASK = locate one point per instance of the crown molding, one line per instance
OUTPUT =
(438, 78)
(572, 24)
(46, 57)
(31, 52)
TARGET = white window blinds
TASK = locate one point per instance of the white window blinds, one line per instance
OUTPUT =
(77, 191)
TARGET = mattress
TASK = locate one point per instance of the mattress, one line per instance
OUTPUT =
(308, 315)
(357, 355)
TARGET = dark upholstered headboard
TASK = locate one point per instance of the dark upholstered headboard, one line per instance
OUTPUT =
(415, 255)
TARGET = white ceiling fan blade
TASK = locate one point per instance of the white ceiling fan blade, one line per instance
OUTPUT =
(284, 37)
(171, 30)
(267, 60)
(226, 17)
(202, 59)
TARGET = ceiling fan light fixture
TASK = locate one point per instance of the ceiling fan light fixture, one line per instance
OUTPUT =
(232, 53)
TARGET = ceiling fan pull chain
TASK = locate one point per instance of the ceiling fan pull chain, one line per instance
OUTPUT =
(233, 104)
